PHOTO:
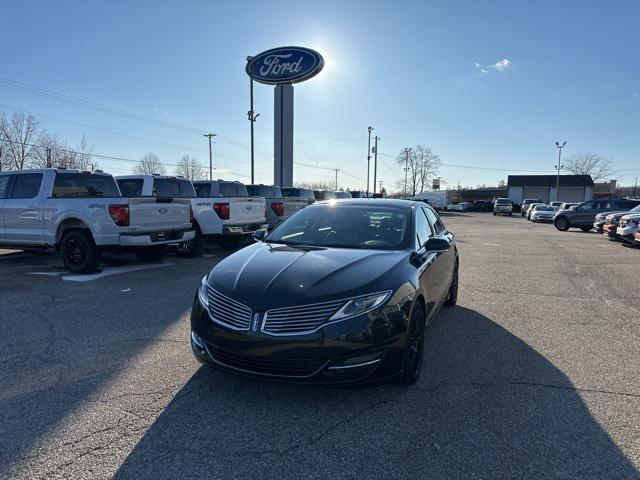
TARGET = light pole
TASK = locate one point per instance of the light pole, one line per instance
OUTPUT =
(369, 130)
(210, 135)
(252, 119)
(406, 169)
(375, 163)
(558, 168)
(336, 170)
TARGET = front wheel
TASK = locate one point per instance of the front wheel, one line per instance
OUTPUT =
(561, 224)
(414, 349)
(151, 254)
(79, 252)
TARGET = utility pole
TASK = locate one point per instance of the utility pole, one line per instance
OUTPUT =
(252, 119)
(380, 182)
(210, 135)
(369, 129)
(406, 169)
(336, 170)
(635, 187)
(0, 158)
(49, 158)
(558, 168)
(375, 163)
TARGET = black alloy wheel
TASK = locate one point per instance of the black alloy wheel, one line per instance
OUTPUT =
(414, 350)
(79, 252)
(191, 248)
(561, 224)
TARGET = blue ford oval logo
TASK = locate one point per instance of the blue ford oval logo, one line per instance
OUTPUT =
(285, 65)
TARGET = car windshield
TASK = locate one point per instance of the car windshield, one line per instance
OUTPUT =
(347, 226)
(502, 201)
(635, 209)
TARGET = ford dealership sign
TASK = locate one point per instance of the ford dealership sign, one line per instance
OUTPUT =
(285, 65)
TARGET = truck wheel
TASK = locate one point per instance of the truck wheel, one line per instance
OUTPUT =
(79, 252)
(230, 243)
(151, 254)
(561, 224)
(192, 248)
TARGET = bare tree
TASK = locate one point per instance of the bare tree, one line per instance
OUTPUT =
(590, 164)
(316, 185)
(189, 167)
(19, 134)
(422, 166)
(148, 165)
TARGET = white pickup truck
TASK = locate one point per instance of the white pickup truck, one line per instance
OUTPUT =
(82, 214)
(222, 210)
(279, 207)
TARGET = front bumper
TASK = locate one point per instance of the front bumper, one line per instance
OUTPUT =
(364, 349)
(610, 230)
(598, 227)
(546, 218)
(163, 237)
(244, 229)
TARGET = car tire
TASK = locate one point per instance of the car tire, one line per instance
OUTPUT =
(79, 252)
(494, 214)
(414, 348)
(151, 254)
(192, 248)
(452, 295)
(561, 224)
(510, 214)
(585, 229)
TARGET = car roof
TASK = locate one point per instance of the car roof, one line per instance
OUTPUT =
(383, 202)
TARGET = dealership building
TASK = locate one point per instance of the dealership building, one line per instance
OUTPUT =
(573, 188)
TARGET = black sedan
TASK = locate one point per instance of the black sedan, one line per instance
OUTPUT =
(339, 293)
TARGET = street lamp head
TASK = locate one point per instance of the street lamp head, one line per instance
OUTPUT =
(557, 144)
(369, 129)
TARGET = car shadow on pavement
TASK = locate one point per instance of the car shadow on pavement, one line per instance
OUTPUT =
(488, 406)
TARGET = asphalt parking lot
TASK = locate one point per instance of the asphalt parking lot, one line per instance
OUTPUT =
(535, 374)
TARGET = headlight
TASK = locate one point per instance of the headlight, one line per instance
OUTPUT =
(203, 293)
(360, 305)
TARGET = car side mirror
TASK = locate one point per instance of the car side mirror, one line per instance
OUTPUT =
(437, 244)
(259, 235)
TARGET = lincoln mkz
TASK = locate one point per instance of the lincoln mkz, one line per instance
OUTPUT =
(339, 293)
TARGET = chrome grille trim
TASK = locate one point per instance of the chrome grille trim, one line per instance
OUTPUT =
(227, 311)
(300, 319)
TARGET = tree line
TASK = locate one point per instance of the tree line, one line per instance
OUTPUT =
(25, 144)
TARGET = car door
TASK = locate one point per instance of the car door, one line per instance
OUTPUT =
(584, 214)
(23, 218)
(4, 189)
(425, 262)
(444, 261)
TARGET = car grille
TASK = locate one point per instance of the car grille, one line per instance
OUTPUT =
(265, 365)
(299, 319)
(228, 312)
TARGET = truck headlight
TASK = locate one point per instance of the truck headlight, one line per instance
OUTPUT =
(360, 305)
(203, 293)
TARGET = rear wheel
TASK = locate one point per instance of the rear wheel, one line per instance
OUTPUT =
(414, 349)
(561, 224)
(151, 254)
(79, 252)
(193, 247)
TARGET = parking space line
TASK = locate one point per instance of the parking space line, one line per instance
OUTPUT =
(109, 271)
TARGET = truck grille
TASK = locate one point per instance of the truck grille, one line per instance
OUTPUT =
(299, 319)
(228, 312)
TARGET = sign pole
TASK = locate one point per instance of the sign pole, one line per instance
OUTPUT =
(283, 136)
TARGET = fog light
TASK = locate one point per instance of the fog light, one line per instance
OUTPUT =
(356, 362)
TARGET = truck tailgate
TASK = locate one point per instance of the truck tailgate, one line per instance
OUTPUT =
(153, 214)
(245, 210)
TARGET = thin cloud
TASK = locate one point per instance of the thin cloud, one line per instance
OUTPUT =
(636, 94)
(499, 66)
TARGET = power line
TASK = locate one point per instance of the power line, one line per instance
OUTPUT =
(479, 168)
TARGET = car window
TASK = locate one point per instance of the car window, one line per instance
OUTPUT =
(203, 189)
(264, 191)
(232, 189)
(602, 205)
(587, 206)
(4, 185)
(84, 185)
(423, 229)
(351, 226)
(27, 185)
(130, 187)
(434, 221)
(173, 187)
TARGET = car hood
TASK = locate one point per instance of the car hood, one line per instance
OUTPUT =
(615, 215)
(267, 276)
(634, 216)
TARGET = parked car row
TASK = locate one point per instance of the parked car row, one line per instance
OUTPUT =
(84, 214)
(616, 218)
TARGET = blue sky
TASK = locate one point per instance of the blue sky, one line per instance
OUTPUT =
(487, 85)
